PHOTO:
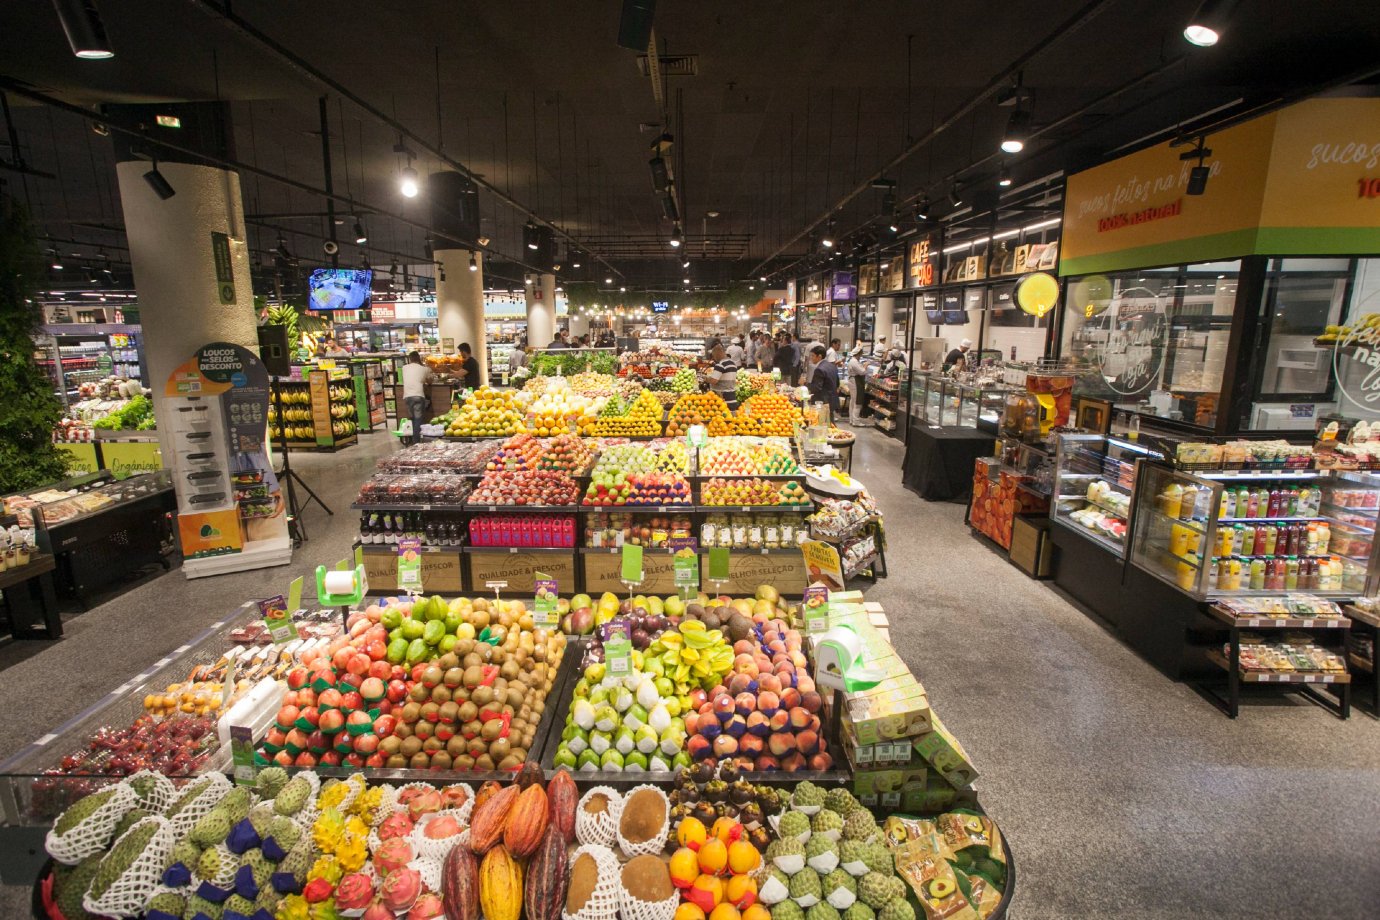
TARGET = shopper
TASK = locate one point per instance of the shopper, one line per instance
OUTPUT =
(735, 350)
(823, 380)
(834, 352)
(958, 355)
(470, 367)
(857, 381)
(415, 377)
(750, 352)
(798, 368)
(517, 359)
(723, 376)
(783, 361)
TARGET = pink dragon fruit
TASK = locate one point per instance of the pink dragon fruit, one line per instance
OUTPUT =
(377, 911)
(354, 891)
(397, 824)
(392, 855)
(428, 907)
(425, 803)
(401, 888)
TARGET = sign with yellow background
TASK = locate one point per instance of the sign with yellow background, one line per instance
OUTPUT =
(1288, 183)
(210, 533)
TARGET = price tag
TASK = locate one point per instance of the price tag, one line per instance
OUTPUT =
(278, 620)
(410, 565)
(686, 564)
(718, 563)
(242, 754)
(618, 649)
(816, 608)
(294, 598)
(632, 563)
(545, 615)
(696, 436)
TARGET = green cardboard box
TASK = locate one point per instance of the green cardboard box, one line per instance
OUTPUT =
(943, 752)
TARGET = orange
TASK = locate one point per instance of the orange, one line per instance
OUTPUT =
(743, 857)
(691, 833)
(688, 911)
(754, 912)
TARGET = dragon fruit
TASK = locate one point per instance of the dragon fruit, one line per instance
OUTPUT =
(397, 824)
(354, 892)
(400, 889)
(392, 855)
(424, 803)
(377, 911)
(428, 907)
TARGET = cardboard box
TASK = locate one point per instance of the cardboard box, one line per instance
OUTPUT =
(896, 708)
(943, 752)
(888, 754)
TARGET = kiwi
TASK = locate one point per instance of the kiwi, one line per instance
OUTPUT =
(410, 746)
(584, 875)
(647, 878)
(482, 696)
(420, 761)
(597, 803)
(644, 816)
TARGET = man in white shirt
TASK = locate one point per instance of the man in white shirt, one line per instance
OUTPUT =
(735, 350)
(415, 377)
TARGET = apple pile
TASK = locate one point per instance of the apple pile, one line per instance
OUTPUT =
(638, 489)
(525, 487)
(735, 456)
(719, 491)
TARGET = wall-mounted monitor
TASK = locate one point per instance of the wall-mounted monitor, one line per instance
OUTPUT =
(340, 289)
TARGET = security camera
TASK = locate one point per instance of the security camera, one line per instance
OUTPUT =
(330, 247)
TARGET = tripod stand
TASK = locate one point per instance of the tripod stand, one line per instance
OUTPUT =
(289, 479)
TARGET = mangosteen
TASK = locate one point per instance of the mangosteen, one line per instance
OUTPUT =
(750, 815)
(760, 838)
(683, 810)
(769, 800)
(703, 772)
(689, 794)
(725, 810)
(728, 771)
(741, 792)
(704, 812)
(716, 790)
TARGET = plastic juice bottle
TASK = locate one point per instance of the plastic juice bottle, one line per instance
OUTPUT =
(1251, 505)
(1171, 500)
(1242, 502)
(1308, 568)
(1241, 536)
(1188, 503)
(1234, 583)
(1291, 573)
(1291, 507)
(1212, 574)
(1324, 536)
(1185, 576)
(1271, 539)
(1257, 582)
(1338, 573)
(1277, 569)
(1226, 536)
(1259, 546)
(1178, 539)
(1228, 508)
(1274, 503)
(1311, 541)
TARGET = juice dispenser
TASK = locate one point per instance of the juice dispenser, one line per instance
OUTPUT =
(1054, 393)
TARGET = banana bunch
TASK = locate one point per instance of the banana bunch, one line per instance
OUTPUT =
(1333, 333)
(294, 396)
(693, 655)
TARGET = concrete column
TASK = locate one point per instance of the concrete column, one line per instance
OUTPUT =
(541, 310)
(886, 307)
(183, 305)
(579, 324)
(460, 302)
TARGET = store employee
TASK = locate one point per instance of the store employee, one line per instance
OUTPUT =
(470, 366)
(958, 355)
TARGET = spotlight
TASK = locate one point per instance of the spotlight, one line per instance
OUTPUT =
(685, 281)
(527, 280)
(676, 238)
(685, 264)
(529, 233)
(81, 21)
(894, 224)
(1198, 175)
(407, 182)
(622, 290)
(474, 265)
(827, 241)
(955, 199)
(763, 278)
(360, 236)
(922, 210)
(159, 183)
(57, 261)
(1205, 28)
(1017, 130)
(1004, 180)
(608, 280)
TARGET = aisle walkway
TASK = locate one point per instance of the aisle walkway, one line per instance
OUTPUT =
(1123, 794)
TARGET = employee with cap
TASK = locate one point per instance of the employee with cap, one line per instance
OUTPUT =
(958, 355)
(857, 379)
(735, 350)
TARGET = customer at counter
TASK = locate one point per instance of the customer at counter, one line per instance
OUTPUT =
(823, 380)
(415, 377)
(723, 376)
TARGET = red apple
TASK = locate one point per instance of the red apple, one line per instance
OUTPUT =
(373, 689)
(380, 669)
(330, 759)
(283, 759)
(384, 725)
(332, 721)
(367, 743)
(351, 701)
(358, 664)
(305, 759)
(354, 760)
(375, 759)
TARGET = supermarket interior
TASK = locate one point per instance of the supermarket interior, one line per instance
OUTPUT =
(948, 460)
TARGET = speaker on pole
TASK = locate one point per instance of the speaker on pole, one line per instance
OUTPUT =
(275, 351)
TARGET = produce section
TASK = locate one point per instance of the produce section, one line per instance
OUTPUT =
(318, 412)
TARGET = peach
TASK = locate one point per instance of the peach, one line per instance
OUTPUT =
(781, 744)
(804, 682)
(779, 721)
(768, 683)
(744, 663)
(790, 698)
(751, 745)
(800, 718)
(724, 707)
(821, 761)
(792, 763)
(767, 763)
(811, 701)
(807, 741)
(757, 724)
(739, 684)
(744, 647)
(746, 703)
(691, 719)
(725, 746)
(699, 747)
(736, 726)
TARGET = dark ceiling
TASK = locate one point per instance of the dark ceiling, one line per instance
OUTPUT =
(794, 104)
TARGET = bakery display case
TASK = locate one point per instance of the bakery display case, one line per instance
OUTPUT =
(1095, 480)
(980, 405)
(1230, 532)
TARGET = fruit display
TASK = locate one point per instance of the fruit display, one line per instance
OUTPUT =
(592, 384)
(777, 414)
(534, 530)
(565, 453)
(654, 489)
(748, 492)
(684, 381)
(695, 409)
(487, 413)
(753, 531)
(741, 456)
(297, 418)
(560, 410)
(614, 529)
(413, 489)
(640, 418)
(423, 684)
(525, 487)
(459, 458)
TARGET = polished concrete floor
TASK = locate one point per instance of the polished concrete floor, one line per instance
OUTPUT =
(1122, 793)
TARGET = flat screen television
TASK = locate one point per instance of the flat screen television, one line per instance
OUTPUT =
(340, 289)
(955, 317)
(935, 316)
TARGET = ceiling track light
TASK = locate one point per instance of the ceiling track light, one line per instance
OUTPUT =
(1017, 131)
(360, 236)
(1205, 27)
(1198, 175)
(159, 183)
(922, 210)
(81, 22)
(429, 248)
(827, 240)
(676, 238)
(1004, 180)
(530, 236)
(955, 198)
(408, 182)
(474, 263)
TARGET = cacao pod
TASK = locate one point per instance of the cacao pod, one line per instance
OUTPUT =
(485, 791)
(548, 877)
(562, 799)
(530, 773)
(460, 885)
(527, 821)
(489, 819)
(500, 885)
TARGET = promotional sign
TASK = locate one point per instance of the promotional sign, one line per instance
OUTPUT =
(617, 647)
(1038, 293)
(631, 569)
(816, 608)
(229, 500)
(687, 565)
(1132, 352)
(842, 287)
(410, 565)
(1356, 360)
(822, 564)
(924, 263)
(545, 615)
(278, 618)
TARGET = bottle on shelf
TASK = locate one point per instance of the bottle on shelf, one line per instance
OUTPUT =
(1228, 507)
(1291, 573)
(1257, 581)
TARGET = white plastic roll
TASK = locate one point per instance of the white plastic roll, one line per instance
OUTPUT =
(340, 583)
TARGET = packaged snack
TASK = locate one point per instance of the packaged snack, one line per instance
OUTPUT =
(933, 880)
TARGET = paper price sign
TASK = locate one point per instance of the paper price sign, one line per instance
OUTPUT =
(696, 436)
(816, 608)
(242, 755)
(278, 619)
(545, 615)
(631, 569)
(410, 565)
(617, 648)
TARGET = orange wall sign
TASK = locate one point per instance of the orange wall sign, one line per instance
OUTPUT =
(1295, 182)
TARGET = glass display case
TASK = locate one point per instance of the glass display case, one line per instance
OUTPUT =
(82, 497)
(1223, 533)
(980, 405)
(1095, 480)
(938, 399)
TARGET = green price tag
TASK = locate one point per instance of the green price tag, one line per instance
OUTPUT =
(545, 615)
(242, 755)
(278, 618)
(632, 563)
(410, 565)
(718, 563)
(816, 609)
(696, 436)
(359, 556)
(686, 564)
(294, 601)
(618, 650)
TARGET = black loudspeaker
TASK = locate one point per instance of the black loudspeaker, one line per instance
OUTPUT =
(274, 350)
(635, 25)
(454, 207)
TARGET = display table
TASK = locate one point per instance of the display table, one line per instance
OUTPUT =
(31, 600)
(939, 461)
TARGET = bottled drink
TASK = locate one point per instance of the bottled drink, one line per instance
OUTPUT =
(1291, 573)
(1242, 502)
(1257, 581)
(1275, 582)
(1292, 507)
(1259, 544)
(1228, 509)
(1213, 574)
(1226, 535)
(1235, 574)
(1274, 503)
(1188, 502)
(1324, 537)
(1311, 540)
(1243, 541)
(1271, 539)
(1252, 505)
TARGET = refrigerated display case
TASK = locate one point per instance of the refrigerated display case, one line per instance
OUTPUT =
(1226, 533)
(1095, 479)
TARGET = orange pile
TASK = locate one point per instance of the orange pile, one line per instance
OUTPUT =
(695, 409)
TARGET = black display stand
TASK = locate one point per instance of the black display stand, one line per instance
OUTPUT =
(288, 479)
(939, 461)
